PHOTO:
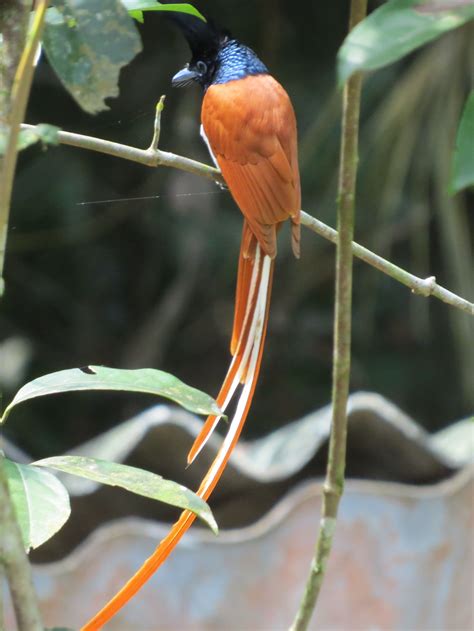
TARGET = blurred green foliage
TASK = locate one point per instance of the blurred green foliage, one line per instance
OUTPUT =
(150, 282)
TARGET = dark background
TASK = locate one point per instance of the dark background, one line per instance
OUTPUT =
(150, 283)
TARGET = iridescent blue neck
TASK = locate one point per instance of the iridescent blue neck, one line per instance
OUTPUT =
(236, 61)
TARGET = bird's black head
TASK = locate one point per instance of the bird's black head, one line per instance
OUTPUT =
(216, 57)
(205, 40)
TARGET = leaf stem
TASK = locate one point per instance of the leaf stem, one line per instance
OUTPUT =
(334, 482)
(14, 560)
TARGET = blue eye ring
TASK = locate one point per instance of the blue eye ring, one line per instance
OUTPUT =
(201, 67)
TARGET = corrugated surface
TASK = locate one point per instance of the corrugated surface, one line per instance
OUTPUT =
(403, 557)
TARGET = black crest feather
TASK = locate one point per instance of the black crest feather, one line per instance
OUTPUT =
(204, 38)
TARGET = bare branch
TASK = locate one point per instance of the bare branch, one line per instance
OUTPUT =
(154, 157)
(151, 157)
(424, 287)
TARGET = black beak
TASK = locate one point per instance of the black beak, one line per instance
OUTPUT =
(184, 77)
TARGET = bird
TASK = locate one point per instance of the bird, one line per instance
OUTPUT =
(249, 126)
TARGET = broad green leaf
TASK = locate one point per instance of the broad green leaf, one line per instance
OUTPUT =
(41, 502)
(87, 43)
(145, 380)
(394, 30)
(134, 480)
(136, 8)
(463, 161)
(47, 134)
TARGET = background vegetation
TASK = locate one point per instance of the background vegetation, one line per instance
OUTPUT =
(150, 282)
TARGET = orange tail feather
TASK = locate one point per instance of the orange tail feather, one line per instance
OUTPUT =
(250, 325)
(248, 282)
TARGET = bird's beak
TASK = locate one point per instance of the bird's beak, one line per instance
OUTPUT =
(184, 77)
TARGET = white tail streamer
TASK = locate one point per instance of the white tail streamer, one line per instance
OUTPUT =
(253, 345)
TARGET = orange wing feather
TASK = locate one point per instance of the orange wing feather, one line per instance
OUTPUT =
(251, 130)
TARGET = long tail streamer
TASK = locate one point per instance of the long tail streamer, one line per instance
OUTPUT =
(250, 323)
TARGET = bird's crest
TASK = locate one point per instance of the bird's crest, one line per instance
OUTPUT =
(204, 38)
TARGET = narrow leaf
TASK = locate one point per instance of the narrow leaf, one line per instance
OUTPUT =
(87, 43)
(394, 30)
(463, 160)
(41, 502)
(135, 7)
(146, 380)
(134, 480)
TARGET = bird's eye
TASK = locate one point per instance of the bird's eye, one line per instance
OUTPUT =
(201, 67)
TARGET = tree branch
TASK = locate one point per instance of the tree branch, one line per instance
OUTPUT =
(423, 286)
(334, 482)
(151, 157)
(154, 157)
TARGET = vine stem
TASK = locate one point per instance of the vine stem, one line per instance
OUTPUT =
(13, 558)
(16, 73)
(16, 114)
(154, 157)
(334, 483)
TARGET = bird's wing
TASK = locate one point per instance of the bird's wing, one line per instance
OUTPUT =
(251, 129)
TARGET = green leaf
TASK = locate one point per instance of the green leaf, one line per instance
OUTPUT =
(394, 30)
(136, 8)
(47, 134)
(40, 500)
(137, 15)
(134, 480)
(87, 43)
(463, 159)
(145, 380)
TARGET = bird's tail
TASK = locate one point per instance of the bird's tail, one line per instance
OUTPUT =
(254, 283)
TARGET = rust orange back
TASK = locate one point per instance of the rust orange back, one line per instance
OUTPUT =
(251, 128)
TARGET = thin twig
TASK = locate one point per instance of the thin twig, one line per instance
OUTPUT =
(14, 560)
(151, 157)
(334, 483)
(154, 157)
(157, 126)
(423, 286)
